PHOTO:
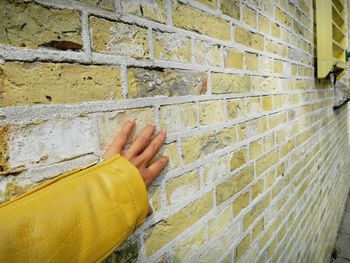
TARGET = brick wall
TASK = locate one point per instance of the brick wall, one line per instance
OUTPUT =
(258, 157)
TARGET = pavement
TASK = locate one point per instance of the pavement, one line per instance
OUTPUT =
(343, 239)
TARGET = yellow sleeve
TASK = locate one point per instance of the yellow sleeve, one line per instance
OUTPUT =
(80, 216)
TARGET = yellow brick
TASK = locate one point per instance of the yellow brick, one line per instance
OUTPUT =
(190, 246)
(234, 184)
(200, 146)
(104, 4)
(229, 83)
(166, 230)
(182, 187)
(215, 170)
(276, 48)
(249, 16)
(269, 142)
(278, 66)
(266, 236)
(240, 203)
(155, 10)
(271, 248)
(118, 38)
(231, 8)
(212, 112)
(210, 3)
(251, 61)
(248, 38)
(239, 158)
(256, 211)
(155, 198)
(189, 18)
(235, 109)
(242, 247)
(257, 229)
(252, 106)
(208, 54)
(219, 223)
(286, 148)
(4, 149)
(145, 82)
(266, 162)
(277, 119)
(270, 178)
(172, 47)
(283, 18)
(267, 103)
(233, 59)
(255, 149)
(275, 30)
(264, 24)
(170, 150)
(31, 25)
(174, 118)
(37, 83)
(257, 188)
(278, 102)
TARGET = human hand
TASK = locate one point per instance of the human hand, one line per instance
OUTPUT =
(141, 151)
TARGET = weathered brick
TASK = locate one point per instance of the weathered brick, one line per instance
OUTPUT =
(79, 135)
(242, 247)
(104, 4)
(276, 48)
(146, 82)
(31, 25)
(265, 84)
(154, 198)
(252, 128)
(126, 252)
(283, 18)
(219, 223)
(210, 3)
(256, 211)
(257, 188)
(169, 46)
(267, 103)
(269, 142)
(230, 83)
(118, 38)
(266, 162)
(180, 117)
(183, 187)
(190, 247)
(252, 105)
(255, 149)
(257, 229)
(234, 184)
(187, 17)
(14, 188)
(264, 24)
(4, 149)
(166, 230)
(154, 10)
(251, 61)
(239, 158)
(170, 150)
(48, 83)
(240, 203)
(233, 58)
(249, 39)
(208, 54)
(215, 170)
(235, 109)
(110, 122)
(278, 66)
(275, 30)
(249, 16)
(212, 112)
(231, 8)
(277, 119)
(199, 146)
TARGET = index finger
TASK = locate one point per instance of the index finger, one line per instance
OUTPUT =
(120, 140)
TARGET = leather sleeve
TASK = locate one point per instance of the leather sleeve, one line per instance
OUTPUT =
(80, 216)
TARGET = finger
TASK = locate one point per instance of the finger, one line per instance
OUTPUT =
(120, 140)
(155, 169)
(153, 148)
(141, 141)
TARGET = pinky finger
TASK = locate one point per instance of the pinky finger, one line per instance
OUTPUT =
(155, 169)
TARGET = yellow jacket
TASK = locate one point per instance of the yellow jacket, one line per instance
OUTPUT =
(80, 216)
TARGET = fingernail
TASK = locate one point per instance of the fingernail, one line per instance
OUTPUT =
(152, 124)
(163, 131)
(132, 120)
